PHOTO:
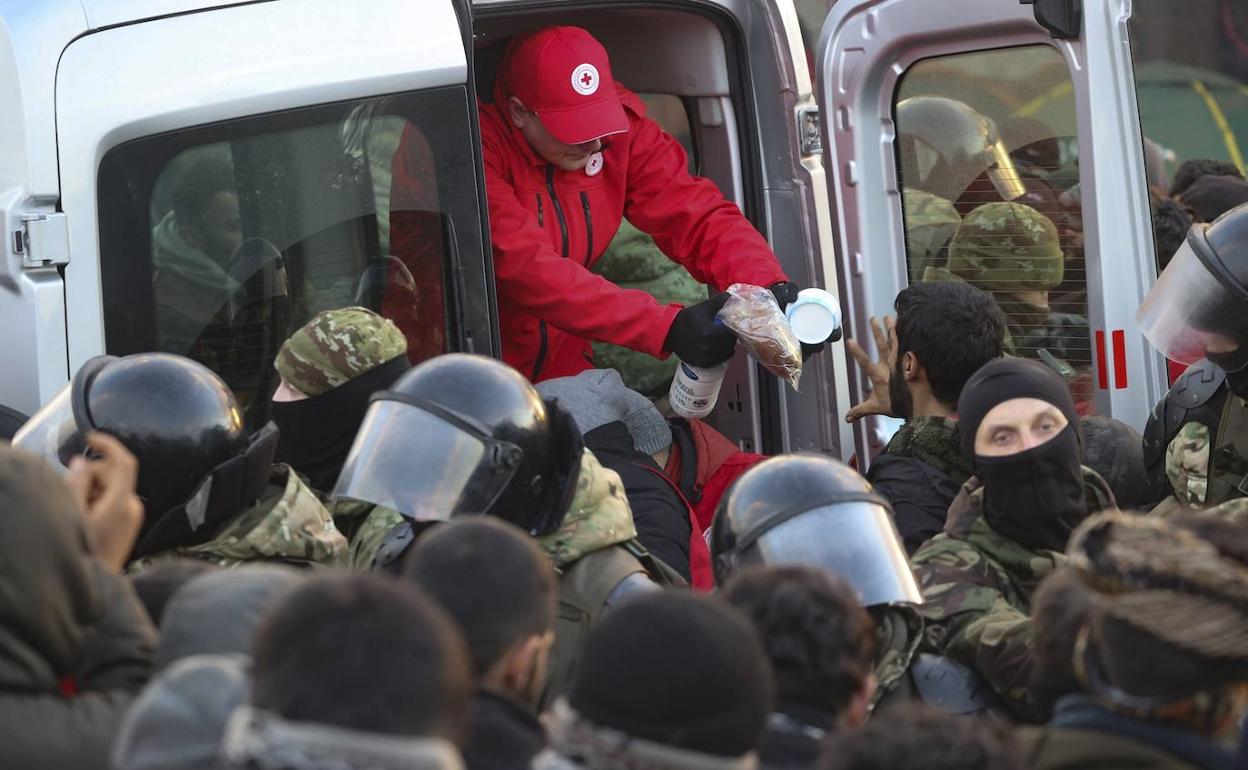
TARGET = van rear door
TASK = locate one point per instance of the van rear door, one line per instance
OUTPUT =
(1063, 106)
(229, 173)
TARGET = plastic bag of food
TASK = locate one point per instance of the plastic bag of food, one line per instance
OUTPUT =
(753, 314)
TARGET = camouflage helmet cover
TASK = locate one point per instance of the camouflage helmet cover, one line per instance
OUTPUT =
(1007, 247)
(337, 346)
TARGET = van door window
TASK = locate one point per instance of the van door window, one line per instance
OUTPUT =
(218, 242)
(988, 164)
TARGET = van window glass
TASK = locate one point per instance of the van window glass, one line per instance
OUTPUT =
(1191, 79)
(220, 241)
(988, 163)
(669, 111)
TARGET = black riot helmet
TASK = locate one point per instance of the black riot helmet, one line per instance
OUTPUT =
(946, 145)
(465, 434)
(197, 465)
(1199, 306)
(813, 510)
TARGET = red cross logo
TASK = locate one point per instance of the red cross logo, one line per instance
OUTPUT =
(585, 79)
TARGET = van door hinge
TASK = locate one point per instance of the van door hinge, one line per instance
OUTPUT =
(43, 240)
(809, 129)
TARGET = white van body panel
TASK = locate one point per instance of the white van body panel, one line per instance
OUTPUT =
(177, 72)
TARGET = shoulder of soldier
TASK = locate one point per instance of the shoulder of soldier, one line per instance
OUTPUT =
(924, 208)
(371, 534)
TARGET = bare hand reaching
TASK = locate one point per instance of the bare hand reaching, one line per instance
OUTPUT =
(879, 371)
(105, 490)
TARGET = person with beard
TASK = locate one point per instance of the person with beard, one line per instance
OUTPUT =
(1008, 527)
(329, 369)
(1196, 441)
(500, 588)
(943, 334)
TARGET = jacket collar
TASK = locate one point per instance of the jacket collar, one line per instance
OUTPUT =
(255, 738)
(934, 440)
(599, 516)
(1082, 712)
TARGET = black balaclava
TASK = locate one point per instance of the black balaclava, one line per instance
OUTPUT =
(1034, 498)
(317, 432)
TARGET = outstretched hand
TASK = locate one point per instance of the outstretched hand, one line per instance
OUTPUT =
(879, 372)
(104, 487)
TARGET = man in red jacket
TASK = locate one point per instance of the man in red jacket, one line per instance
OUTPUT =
(568, 153)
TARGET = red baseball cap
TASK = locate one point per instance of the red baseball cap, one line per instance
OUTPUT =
(563, 75)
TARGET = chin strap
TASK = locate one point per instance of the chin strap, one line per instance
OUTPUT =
(226, 491)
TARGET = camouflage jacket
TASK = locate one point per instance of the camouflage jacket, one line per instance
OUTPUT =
(934, 440)
(598, 518)
(931, 222)
(899, 632)
(977, 588)
(1202, 474)
(366, 526)
(288, 524)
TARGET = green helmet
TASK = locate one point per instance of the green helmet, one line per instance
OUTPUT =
(1007, 247)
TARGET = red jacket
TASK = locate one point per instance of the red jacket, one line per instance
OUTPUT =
(548, 226)
(716, 463)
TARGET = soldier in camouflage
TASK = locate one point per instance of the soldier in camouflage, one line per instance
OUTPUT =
(329, 369)
(1196, 442)
(210, 489)
(1008, 527)
(1013, 251)
(931, 222)
(467, 435)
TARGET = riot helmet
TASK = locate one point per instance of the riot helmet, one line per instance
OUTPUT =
(945, 145)
(813, 510)
(197, 465)
(1199, 306)
(465, 434)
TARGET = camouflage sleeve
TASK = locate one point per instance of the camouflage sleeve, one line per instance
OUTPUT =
(370, 535)
(1187, 464)
(970, 619)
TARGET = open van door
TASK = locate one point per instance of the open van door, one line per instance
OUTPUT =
(1053, 83)
(228, 173)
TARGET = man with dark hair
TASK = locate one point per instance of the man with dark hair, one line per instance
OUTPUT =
(1171, 221)
(914, 736)
(500, 588)
(1162, 656)
(357, 671)
(672, 681)
(821, 644)
(1191, 170)
(944, 332)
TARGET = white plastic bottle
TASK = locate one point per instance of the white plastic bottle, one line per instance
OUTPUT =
(695, 390)
(815, 316)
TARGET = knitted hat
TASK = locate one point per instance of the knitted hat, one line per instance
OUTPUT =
(596, 397)
(677, 669)
(337, 346)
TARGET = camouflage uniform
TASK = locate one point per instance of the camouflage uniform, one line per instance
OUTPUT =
(931, 222)
(1202, 474)
(287, 524)
(633, 261)
(899, 632)
(977, 588)
(337, 346)
(934, 440)
(365, 526)
(598, 518)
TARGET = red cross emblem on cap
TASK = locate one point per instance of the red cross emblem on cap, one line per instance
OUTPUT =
(585, 79)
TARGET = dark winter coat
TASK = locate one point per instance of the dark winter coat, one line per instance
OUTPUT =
(920, 473)
(75, 643)
(505, 734)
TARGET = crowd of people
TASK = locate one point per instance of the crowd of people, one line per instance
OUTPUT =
(454, 562)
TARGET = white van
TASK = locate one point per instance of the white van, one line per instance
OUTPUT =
(170, 168)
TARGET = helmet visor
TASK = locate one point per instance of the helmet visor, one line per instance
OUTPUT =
(423, 466)
(1189, 314)
(854, 540)
(53, 432)
(1004, 175)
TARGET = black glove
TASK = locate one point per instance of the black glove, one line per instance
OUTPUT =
(785, 293)
(697, 339)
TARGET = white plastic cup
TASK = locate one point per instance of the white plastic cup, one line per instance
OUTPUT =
(814, 316)
(695, 390)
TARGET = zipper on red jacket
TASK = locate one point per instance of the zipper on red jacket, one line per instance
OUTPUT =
(541, 217)
(589, 229)
(563, 252)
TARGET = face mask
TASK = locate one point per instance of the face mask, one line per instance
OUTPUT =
(317, 432)
(1035, 498)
